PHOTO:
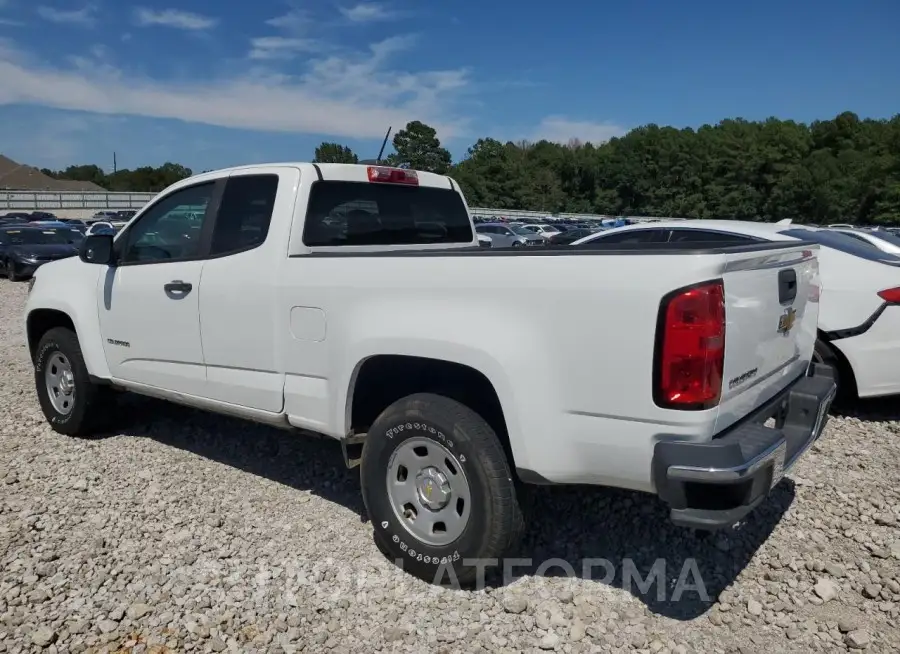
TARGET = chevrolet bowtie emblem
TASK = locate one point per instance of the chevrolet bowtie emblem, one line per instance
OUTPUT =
(786, 321)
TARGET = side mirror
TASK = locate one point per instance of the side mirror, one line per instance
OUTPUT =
(97, 249)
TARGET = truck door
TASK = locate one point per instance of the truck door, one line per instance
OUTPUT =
(239, 314)
(148, 302)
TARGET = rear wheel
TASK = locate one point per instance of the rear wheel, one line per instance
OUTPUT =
(438, 489)
(11, 272)
(71, 402)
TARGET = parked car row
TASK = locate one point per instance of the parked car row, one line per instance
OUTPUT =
(24, 249)
(26, 246)
(520, 234)
(859, 316)
(117, 218)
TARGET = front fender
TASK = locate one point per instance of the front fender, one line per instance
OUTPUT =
(70, 287)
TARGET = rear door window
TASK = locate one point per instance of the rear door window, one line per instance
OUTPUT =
(245, 213)
(362, 213)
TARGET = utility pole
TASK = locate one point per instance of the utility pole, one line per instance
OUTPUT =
(114, 163)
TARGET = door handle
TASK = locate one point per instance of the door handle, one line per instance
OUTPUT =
(178, 288)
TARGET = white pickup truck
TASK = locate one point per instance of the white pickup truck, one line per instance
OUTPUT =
(354, 301)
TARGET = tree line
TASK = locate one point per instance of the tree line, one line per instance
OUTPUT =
(840, 170)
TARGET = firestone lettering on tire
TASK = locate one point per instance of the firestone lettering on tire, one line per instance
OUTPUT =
(420, 426)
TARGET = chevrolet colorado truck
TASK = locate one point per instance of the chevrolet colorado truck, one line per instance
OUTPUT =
(354, 302)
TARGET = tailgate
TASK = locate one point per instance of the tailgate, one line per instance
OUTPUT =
(771, 310)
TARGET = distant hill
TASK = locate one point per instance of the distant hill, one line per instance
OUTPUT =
(19, 177)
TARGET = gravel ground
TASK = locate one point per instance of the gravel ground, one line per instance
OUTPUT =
(192, 532)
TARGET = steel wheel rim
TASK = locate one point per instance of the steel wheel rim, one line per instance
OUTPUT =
(60, 382)
(429, 491)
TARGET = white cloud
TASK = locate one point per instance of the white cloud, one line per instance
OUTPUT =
(280, 47)
(559, 129)
(11, 23)
(296, 20)
(366, 12)
(84, 16)
(351, 96)
(182, 20)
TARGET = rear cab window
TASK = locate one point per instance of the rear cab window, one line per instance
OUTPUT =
(345, 213)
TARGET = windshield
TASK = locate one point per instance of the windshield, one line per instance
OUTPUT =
(35, 237)
(521, 231)
(549, 228)
(843, 243)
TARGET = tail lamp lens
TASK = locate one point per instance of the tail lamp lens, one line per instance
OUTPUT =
(890, 295)
(690, 354)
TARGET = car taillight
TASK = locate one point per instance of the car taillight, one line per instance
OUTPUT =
(890, 295)
(690, 350)
(387, 175)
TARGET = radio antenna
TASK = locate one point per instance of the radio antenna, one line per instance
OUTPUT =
(383, 143)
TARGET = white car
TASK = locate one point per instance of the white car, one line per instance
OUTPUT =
(881, 239)
(99, 226)
(859, 317)
(547, 231)
(353, 301)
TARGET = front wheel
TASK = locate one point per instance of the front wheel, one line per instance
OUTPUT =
(11, 272)
(438, 489)
(71, 402)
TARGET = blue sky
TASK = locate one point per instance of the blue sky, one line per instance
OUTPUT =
(212, 84)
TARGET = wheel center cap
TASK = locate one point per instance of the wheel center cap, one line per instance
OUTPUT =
(66, 383)
(433, 488)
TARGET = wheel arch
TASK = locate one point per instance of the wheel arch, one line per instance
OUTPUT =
(380, 380)
(45, 316)
(40, 321)
(845, 369)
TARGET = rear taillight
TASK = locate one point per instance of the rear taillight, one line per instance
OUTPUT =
(690, 350)
(890, 295)
(387, 175)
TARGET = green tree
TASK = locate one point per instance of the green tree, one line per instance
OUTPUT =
(846, 169)
(418, 147)
(335, 153)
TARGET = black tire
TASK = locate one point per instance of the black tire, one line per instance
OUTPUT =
(495, 520)
(516, 244)
(846, 385)
(91, 402)
(11, 272)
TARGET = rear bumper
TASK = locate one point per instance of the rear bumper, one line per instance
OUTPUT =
(713, 485)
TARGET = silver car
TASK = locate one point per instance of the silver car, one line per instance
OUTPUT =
(506, 236)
